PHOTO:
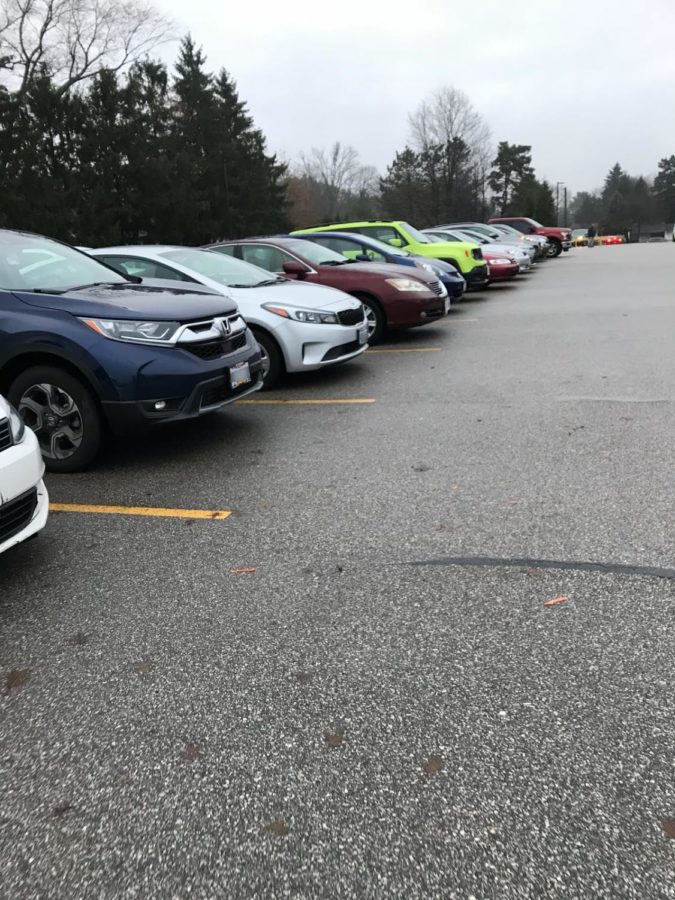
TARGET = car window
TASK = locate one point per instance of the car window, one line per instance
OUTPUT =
(265, 256)
(143, 268)
(519, 225)
(383, 233)
(30, 262)
(350, 249)
(225, 269)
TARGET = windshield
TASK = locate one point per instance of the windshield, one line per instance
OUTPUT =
(387, 249)
(218, 267)
(314, 253)
(473, 236)
(415, 234)
(29, 262)
(533, 222)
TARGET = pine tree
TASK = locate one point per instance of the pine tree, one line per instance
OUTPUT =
(664, 189)
(512, 164)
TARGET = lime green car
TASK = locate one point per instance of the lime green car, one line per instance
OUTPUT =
(465, 257)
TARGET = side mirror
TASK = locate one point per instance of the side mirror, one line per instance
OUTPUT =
(295, 269)
(395, 242)
(532, 230)
(362, 257)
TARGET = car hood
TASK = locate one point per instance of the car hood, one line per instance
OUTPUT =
(389, 270)
(446, 248)
(135, 301)
(501, 247)
(302, 295)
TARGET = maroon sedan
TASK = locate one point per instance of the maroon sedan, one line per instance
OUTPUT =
(500, 267)
(393, 297)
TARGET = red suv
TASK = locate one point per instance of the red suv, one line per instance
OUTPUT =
(393, 297)
(559, 238)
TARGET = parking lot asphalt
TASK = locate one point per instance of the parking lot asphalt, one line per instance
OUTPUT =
(281, 702)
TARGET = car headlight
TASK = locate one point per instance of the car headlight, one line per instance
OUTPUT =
(308, 316)
(499, 262)
(428, 267)
(407, 284)
(136, 332)
(16, 425)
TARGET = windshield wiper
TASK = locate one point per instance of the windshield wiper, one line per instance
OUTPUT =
(79, 287)
(333, 262)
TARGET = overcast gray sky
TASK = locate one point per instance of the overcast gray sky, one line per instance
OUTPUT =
(586, 84)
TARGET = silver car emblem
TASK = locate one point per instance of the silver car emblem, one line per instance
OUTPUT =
(225, 327)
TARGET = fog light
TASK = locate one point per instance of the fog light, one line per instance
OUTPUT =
(160, 405)
(423, 315)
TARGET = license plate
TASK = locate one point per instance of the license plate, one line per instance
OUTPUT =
(362, 334)
(239, 375)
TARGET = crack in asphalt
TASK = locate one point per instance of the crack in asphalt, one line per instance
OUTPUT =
(525, 562)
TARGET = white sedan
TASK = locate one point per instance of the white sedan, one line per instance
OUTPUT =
(299, 327)
(24, 502)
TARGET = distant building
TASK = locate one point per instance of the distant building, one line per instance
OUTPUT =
(652, 231)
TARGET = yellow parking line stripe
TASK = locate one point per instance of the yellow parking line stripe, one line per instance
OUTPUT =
(141, 511)
(305, 402)
(404, 350)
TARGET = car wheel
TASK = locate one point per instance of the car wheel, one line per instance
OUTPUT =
(554, 249)
(272, 360)
(374, 318)
(64, 415)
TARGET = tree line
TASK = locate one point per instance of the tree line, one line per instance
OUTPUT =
(626, 204)
(100, 144)
(448, 171)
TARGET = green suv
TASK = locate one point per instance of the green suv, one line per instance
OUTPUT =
(465, 257)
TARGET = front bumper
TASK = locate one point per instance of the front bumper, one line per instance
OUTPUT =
(307, 347)
(503, 273)
(477, 278)
(24, 502)
(206, 395)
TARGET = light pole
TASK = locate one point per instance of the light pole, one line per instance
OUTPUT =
(558, 185)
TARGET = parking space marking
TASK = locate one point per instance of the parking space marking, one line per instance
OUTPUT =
(404, 350)
(155, 511)
(306, 402)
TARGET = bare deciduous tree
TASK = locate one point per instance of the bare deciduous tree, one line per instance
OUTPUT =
(75, 39)
(336, 173)
(446, 116)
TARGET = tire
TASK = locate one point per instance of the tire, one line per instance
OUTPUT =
(555, 249)
(273, 361)
(374, 316)
(64, 415)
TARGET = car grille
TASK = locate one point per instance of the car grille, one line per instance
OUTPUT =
(342, 350)
(216, 349)
(5, 435)
(436, 287)
(477, 253)
(222, 392)
(17, 514)
(351, 316)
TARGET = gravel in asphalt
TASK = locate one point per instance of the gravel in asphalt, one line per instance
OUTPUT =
(339, 722)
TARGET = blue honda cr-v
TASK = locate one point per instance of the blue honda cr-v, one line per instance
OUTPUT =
(83, 349)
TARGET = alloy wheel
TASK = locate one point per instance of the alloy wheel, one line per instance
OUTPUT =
(371, 319)
(54, 417)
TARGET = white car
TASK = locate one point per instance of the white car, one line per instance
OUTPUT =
(299, 327)
(523, 257)
(24, 503)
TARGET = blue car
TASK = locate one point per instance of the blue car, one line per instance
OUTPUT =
(84, 350)
(366, 249)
